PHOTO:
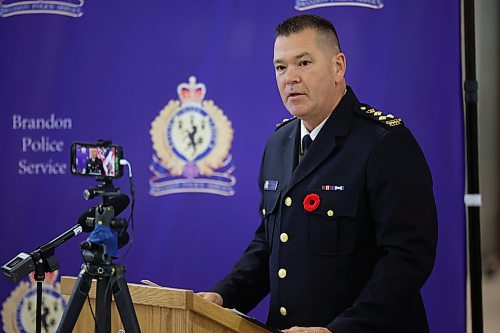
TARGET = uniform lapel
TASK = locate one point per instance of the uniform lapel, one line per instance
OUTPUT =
(289, 151)
(336, 126)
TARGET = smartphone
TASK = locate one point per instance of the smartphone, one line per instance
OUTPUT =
(96, 160)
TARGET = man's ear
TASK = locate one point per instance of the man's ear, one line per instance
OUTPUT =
(339, 66)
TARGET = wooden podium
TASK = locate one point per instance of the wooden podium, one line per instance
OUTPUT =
(165, 310)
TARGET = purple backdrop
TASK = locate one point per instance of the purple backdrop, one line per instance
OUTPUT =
(112, 70)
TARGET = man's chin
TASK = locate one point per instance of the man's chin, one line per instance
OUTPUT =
(297, 112)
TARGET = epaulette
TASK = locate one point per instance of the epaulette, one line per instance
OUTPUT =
(284, 122)
(385, 119)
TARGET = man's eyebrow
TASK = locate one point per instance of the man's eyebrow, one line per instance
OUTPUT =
(304, 54)
(277, 61)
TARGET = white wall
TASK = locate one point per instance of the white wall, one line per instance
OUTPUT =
(488, 73)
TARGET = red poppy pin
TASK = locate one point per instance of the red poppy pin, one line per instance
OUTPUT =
(311, 202)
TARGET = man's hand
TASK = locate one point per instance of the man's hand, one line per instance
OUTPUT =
(212, 297)
(296, 329)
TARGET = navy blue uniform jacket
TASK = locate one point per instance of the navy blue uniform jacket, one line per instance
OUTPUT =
(357, 262)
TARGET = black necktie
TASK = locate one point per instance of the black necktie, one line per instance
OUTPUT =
(306, 143)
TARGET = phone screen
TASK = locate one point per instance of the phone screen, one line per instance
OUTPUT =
(94, 160)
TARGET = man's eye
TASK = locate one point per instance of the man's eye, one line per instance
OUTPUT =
(304, 63)
(280, 68)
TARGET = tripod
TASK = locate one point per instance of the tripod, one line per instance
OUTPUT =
(110, 278)
(99, 249)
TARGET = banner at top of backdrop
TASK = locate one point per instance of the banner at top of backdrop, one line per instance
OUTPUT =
(71, 8)
(309, 4)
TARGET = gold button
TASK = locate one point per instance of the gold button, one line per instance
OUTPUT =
(330, 213)
(284, 237)
(283, 311)
(288, 201)
(263, 211)
(282, 273)
(363, 108)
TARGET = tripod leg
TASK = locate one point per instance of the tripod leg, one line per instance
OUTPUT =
(124, 302)
(103, 305)
(39, 296)
(75, 304)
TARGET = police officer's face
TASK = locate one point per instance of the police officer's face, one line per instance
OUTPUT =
(309, 74)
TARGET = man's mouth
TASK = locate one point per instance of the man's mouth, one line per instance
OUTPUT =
(293, 96)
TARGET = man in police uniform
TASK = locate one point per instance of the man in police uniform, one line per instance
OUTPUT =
(94, 164)
(349, 227)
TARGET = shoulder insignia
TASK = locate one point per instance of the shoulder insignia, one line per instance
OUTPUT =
(385, 119)
(284, 122)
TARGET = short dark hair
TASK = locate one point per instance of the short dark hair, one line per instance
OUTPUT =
(299, 23)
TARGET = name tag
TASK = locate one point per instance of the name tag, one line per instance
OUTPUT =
(270, 185)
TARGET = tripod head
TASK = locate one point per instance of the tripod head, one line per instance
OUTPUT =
(105, 190)
(108, 233)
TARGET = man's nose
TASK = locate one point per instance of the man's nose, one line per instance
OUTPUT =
(292, 76)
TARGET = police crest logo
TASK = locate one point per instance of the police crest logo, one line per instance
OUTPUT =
(19, 309)
(192, 139)
(310, 4)
(71, 8)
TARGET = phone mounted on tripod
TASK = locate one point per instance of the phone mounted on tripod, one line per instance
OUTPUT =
(101, 160)
(101, 247)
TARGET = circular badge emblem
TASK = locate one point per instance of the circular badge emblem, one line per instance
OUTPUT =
(192, 139)
(191, 134)
(53, 305)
